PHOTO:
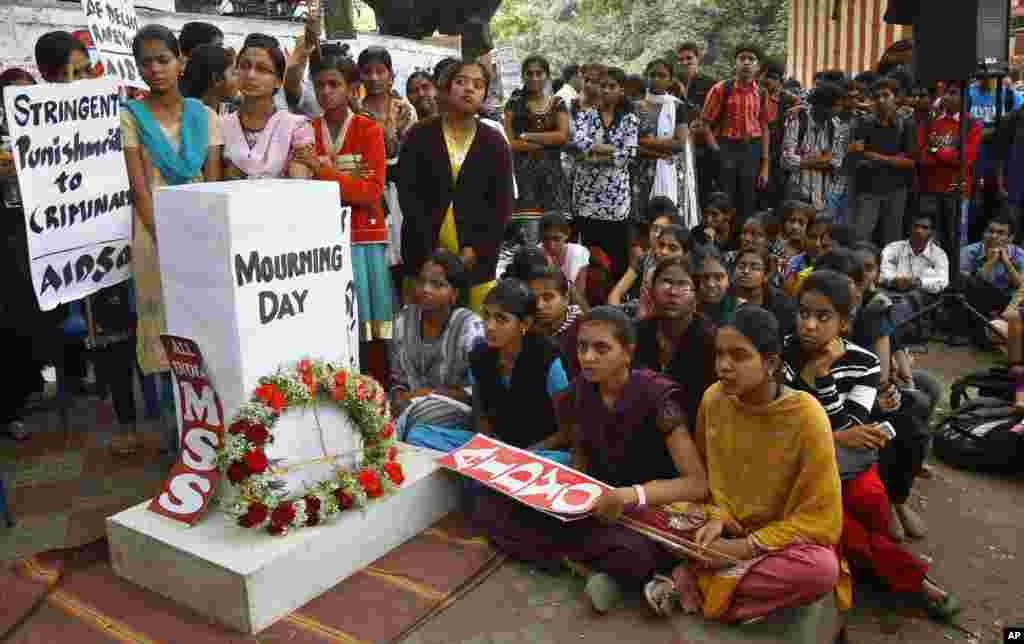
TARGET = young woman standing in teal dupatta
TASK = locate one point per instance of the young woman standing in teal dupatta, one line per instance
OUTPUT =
(168, 140)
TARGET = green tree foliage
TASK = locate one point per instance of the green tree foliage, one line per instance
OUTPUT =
(631, 33)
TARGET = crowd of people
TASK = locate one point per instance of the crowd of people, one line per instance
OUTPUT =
(696, 287)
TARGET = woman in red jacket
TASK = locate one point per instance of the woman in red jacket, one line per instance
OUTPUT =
(349, 149)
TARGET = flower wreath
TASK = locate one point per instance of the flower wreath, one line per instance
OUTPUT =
(257, 498)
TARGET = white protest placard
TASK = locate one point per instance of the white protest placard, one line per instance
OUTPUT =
(113, 24)
(66, 141)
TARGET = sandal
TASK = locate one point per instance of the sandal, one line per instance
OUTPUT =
(16, 430)
(661, 595)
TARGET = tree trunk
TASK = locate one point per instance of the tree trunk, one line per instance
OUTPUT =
(339, 19)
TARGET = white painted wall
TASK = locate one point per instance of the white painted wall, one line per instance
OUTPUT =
(23, 22)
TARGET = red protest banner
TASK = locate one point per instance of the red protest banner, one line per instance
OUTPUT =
(193, 480)
(542, 484)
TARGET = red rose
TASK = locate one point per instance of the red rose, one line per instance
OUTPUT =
(344, 499)
(389, 430)
(370, 482)
(238, 472)
(307, 379)
(283, 514)
(394, 471)
(312, 505)
(271, 396)
(363, 392)
(305, 366)
(340, 390)
(313, 519)
(256, 461)
(257, 434)
(393, 453)
(256, 515)
(239, 426)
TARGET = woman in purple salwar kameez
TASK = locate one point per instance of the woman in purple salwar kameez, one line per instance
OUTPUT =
(629, 430)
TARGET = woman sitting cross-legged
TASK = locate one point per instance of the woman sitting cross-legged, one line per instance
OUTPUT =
(515, 376)
(844, 378)
(629, 429)
(430, 348)
(775, 513)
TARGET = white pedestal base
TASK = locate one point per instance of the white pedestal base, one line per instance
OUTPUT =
(247, 579)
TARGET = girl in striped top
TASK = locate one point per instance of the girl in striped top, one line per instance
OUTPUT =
(844, 379)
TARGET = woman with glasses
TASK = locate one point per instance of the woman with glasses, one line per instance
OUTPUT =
(677, 341)
(753, 287)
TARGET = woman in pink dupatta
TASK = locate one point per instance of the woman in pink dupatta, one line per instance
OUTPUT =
(259, 140)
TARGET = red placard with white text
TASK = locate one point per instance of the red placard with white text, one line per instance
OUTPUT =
(193, 480)
(542, 484)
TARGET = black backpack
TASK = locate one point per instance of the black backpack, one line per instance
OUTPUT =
(991, 383)
(983, 435)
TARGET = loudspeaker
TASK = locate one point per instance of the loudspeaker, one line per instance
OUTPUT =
(960, 39)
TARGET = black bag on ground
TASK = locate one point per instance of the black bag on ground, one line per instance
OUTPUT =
(991, 383)
(980, 436)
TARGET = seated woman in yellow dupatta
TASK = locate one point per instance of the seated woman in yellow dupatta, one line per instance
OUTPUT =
(775, 513)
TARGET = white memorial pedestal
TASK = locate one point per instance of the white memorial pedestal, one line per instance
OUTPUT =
(247, 579)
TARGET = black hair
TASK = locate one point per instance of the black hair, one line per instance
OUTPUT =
(763, 255)
(904, 79)
(12, 75)
(688, 46)
(868, 78)
(551, 274)
(747, 48)
(835, 286)
(659, 207)
(792, 85)
(790, 207)
(621, 324)
(668, 263)
(844, 235)
(700, 254)
(826, 94)
(456, 67)
(719, 201)
(760, 218)
(636, 80)
(822, 219)
(454, 271)
(664, 62)
(866, 247)
(773, 68)
(513, 296)
(375, 54)
(625, 106)
(526, 260)
(53, 50)
(554, 220)
(417, 75)
(206, 67)
(919, 215)
(336, 59)
(536, 59)
(760, 326)
(569, 72)
(158, 33)
(194, 34)
(273, 49)
(441, 69)
(681, 234)
(1004, 218)
(834, 76)
(837, 260)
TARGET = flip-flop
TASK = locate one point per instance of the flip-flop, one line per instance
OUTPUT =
(661, 595)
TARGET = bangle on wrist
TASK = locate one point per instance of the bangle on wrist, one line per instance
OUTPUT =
(641, 496)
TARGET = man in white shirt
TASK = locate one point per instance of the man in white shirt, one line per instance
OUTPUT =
(917, 263)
